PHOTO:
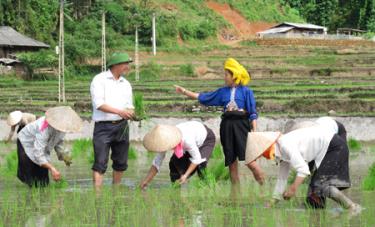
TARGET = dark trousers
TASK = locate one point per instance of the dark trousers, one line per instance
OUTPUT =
(178, 166)
(28, 172)
(114, 136)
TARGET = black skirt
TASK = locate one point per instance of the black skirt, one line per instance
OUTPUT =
(334, 168)
(234, 128)
(178, 166)
(28, 172)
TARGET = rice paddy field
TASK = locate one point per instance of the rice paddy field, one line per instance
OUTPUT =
(286, 80)
(296, 81)
(74, 202)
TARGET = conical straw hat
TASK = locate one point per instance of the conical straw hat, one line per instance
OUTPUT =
(162, 138)
(14, 118)
(64, 119)
(258, 142)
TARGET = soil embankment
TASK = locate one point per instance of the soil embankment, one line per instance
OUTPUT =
(360, 128)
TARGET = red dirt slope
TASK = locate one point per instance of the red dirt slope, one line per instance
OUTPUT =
(244, 28)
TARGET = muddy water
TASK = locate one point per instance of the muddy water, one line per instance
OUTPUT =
(159, 206)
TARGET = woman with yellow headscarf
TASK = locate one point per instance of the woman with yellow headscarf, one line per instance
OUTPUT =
(239, 115)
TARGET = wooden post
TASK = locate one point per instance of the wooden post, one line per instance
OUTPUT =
(104, 60)
(153, 34)
(136, 55)
(61, 55)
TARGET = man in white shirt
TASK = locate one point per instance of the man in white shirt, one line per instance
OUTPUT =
(192, 143)
(112, 102)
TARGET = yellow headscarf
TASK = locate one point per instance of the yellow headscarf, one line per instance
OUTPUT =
(240, 74)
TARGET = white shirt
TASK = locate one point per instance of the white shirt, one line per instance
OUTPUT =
(296, 148)
(193, 136)
(38, 144)
(115, 93)
(329, 124)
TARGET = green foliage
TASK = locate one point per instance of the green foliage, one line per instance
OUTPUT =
(187, 70)
(368, 183)
(354, 145)
(267, 10)
(40, 59)
(335, 14)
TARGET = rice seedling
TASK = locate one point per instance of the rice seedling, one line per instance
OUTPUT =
(354, 145)
(369, 181)
(132, 153)
(217, 153)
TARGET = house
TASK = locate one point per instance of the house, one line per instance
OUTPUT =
(287, 29)
(12, 42)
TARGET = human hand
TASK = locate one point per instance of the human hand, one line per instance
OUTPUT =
(67, 158)
(290, 192)
(271, 203)
(55, 174)
(143, 185)
(126, 114)
(183, 179)
(179, 89)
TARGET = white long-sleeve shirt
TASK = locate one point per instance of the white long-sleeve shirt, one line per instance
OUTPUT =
(105, 89)
(296, 148)
(193, 136)
(38, 144)
(329, 123)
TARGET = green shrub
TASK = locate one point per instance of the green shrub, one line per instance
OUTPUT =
(187, 70)
(368, 183)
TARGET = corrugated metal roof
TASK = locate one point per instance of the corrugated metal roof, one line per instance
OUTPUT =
(298, 25)
(8, 61)
(275, 30)
(10, 37)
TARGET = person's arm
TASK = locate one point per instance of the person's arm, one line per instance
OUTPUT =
(156, 164)
(282, 181)
(293, 188)
(254, 125)
(126, 114)
(54, 172)
(151, 174)
(186, 175)
(62, 153)
(184, 91)
(97, 97)
(11, 133)
(257, 172)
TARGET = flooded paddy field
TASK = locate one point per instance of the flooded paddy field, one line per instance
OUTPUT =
(74, 202)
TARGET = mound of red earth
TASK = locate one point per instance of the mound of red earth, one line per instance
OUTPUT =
(243, 28)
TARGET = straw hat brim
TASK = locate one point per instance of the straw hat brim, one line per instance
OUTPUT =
(64, 119)
(162, 138)
(14, 118)
(258, 142)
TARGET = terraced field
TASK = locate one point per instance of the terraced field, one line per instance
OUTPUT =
(293, 81)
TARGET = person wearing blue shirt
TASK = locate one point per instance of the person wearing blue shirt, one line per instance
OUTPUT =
(238, 119)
